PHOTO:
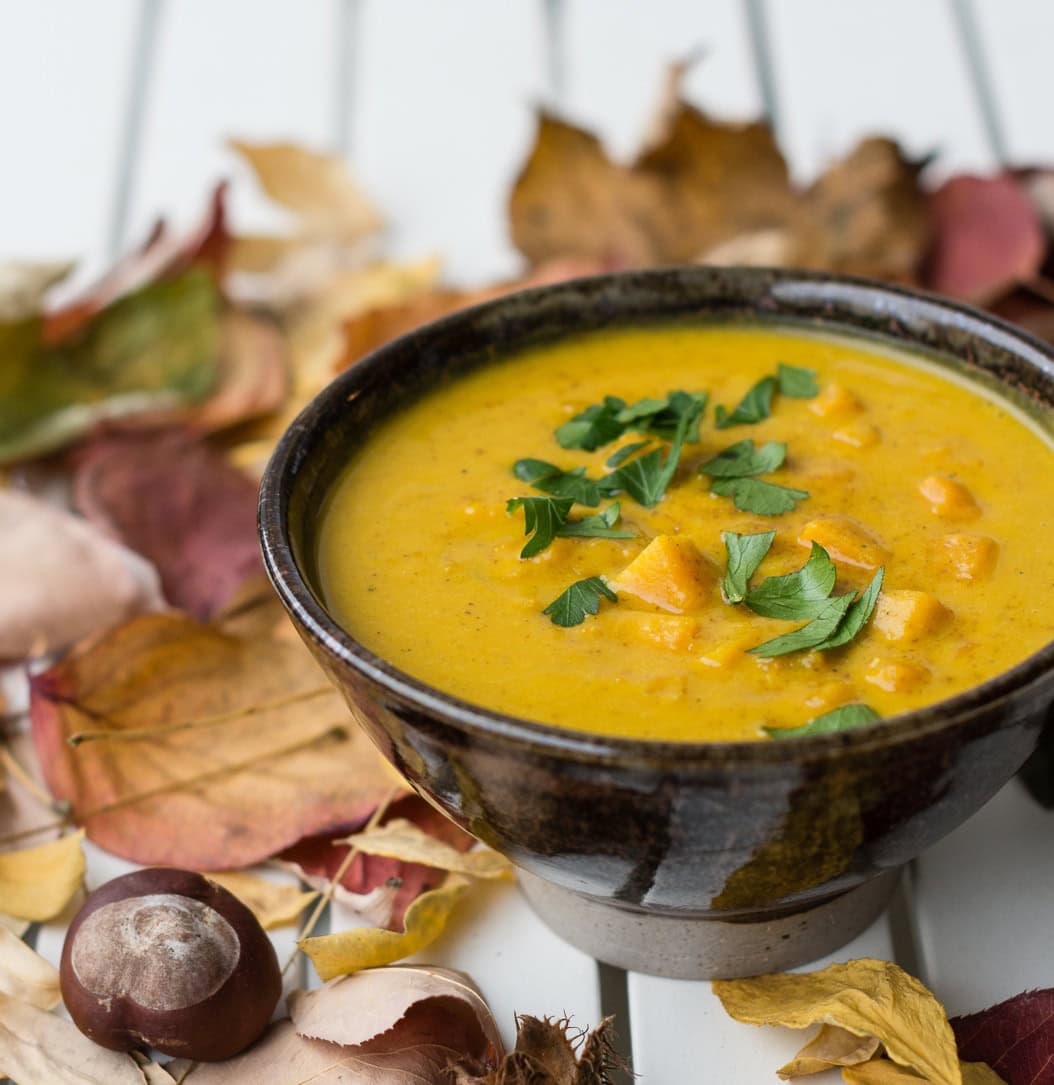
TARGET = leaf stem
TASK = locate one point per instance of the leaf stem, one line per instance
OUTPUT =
(18, 771)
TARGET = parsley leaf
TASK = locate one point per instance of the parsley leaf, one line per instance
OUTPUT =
(745, 554)
(542, 517)
(797, 383)
(644, 408)
(753, 407)
(551, 479)
(827, 620)
(595, 426)
(797, 595)
(600, 526)
(753, 495)
(582, 598)
(844, 718)
(743, 459)
(857, 616)
(621, 455)
(664, 422)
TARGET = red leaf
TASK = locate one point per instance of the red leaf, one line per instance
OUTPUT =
(317, 859)
(180, 504)
(986, 238)
(1015, 1038)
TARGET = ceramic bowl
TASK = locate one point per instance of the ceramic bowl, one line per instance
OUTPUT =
(684, 859)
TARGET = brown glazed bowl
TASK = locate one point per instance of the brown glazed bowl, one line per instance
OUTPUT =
(684, 859)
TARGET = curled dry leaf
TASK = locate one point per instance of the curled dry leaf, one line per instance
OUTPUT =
(38, 1048)
(25, 975)
(885, 1072)
(62, 579)
(179, 503)
(987, 238)
(831, 1046)
(376, 888)
(37, 883)
(370, 947)
(273, 903)
(401, 839)
(273, 754)
(1015, 1037)
(23, 287)
(866, 997)
(391, 1026)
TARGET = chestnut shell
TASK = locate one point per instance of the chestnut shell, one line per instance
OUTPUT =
(220, 1025)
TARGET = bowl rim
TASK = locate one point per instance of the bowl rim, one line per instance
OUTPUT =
(315, 622)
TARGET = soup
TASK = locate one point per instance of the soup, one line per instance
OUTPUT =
(737, 533)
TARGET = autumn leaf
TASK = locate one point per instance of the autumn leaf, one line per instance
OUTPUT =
(401, 839)
(1015, 1037)
(24, 286)
(274, 904)
(62, 579)
(987, 238)
(25, 975)
(831, 1046)
(391, 1026)
(37, 883)
(885, 1072)
(219, 783)
(865, 997)
(180, 504)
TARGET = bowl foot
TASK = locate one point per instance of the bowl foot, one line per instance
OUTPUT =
(698, 947)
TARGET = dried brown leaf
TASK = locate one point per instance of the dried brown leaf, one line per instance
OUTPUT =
(831, 1046)
(403, 840)
(275, 904)
(25, 975)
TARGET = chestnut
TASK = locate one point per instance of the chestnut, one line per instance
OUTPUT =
(165, 958)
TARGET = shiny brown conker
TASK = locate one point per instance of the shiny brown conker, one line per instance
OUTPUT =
(165, 958)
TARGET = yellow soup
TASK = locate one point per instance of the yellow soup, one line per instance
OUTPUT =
(946, 491)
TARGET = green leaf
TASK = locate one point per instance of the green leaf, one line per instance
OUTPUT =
(755, 406)
(808, 636)
(797, 383)
(154, 349)
(664, 423)
(581, 598)
(542, 518)
(644, 408)
(839, 719)
(753, 495)
(742, 460)
(551, 479)
(621, 455)
(530, 471)
(857, 616)
(600, 526)
(595, 426)
(797, 595)
(745, 554)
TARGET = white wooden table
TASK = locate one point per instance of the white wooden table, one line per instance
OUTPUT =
(115, 110)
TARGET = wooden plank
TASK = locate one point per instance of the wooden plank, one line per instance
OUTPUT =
(442, 117)
(680, 1031)
(63, 74)
(616, 56)
(844, 70)
(255, 69)
(984, 896)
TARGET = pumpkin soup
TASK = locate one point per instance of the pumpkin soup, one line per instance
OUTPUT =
(707, 533)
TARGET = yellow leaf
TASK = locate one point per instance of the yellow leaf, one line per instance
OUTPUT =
(884, 1072)
(831, 1046)
(25, 974)
(403, 840)
(370, 947)
(37, 883)
(273, 904)
(866, 997)
(980, 1073)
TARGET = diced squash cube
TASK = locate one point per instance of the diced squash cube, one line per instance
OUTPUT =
(835, 401)
(896, 675)
(847, 541)
(949, 498)
(676, 632)
(729, 651)
(670, 573)
(858, 434)
(969, 557)
(902, 615)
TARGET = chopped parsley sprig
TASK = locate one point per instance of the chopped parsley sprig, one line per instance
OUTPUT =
(583, 597)
(733, 469)
(745, 554)
(791, 380)
(844, 718)
(602, 423)
(546, 518)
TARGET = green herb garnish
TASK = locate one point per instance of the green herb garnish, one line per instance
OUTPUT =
(797, 383)
(580, 599)
(857, 616)
(595, 426)
(621, 455)
(828, 618)
(600, 526)
(844, 718)
(542, 517)
(743, 459)
(664, 422)
(551, 479)
(604, 422)
(745, 554)
(753, 495)
(798, 595)
(755, 406)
